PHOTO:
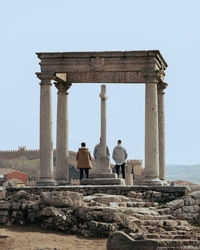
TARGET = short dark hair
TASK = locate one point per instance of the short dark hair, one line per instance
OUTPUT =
(119, 141)
(83, 144)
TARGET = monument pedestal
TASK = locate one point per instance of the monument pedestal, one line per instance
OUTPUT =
(102, 174)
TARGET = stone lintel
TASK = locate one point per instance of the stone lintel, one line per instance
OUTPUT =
(114, 77)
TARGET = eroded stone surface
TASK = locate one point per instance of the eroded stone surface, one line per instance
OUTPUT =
(99, 215)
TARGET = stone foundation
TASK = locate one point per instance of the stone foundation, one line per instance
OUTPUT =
(165, 193)
(140, 216)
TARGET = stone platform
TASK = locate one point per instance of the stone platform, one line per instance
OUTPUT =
(103, 181)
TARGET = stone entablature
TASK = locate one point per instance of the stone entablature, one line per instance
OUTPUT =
(106, 67)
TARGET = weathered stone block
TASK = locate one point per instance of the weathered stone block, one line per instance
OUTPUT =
(66, 199)
(173, 205)
(50, 211)
(156, 194)
(33, 205)
(191, 209)
(121, 241)
(3, 220)
(19, 195)
(188, 200)
(195, 195)
(132, 194)
(189, 216)
(4, 205)
(178, 211)
(4, 213)
(163, 211)
(16, 206)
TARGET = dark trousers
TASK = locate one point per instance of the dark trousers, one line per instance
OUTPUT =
(123, 169)
(86, 172)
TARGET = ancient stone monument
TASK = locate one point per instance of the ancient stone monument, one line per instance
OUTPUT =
(101, 67)
(102, 173)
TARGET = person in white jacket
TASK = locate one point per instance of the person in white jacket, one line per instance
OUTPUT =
(119, 155)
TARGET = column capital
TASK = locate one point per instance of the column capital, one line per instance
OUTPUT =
(155, 76)
(103, 95)
(161, 87)
(62, 86)
(45, 77)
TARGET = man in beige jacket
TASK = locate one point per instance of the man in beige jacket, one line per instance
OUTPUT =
(83, 158)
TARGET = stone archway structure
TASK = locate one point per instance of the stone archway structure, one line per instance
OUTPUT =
(127, 67)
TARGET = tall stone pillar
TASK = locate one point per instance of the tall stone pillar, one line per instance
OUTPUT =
(103, 161)
(103, 119)
(151, 136)
(161, 126)
(102, 173)
(46, 144)
(62, 150)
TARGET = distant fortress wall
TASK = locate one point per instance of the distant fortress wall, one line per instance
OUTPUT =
(32, 154)
(22, 151)
(132, 166)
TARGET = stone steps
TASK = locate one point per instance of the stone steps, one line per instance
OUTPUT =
(118, 240)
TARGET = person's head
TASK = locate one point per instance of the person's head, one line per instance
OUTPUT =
(119, 142)
(83, 144)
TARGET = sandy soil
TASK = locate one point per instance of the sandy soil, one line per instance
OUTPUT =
(35, 238)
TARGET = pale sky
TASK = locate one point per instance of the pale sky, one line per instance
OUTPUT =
(173, 27)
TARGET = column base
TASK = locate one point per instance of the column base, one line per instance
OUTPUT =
(164, 183)
(46, 182)
(151, 182)
(62, 183)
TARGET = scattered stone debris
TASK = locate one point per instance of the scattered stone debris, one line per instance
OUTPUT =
(135, 220)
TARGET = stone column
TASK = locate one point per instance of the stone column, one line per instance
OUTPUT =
(46, 144)
(151, 136)
(102, 174)
(62, 150)
(103, 119)
(161, 126)
(103, 161)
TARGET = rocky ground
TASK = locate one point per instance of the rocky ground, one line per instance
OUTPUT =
(139, 219)
(35, 238)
